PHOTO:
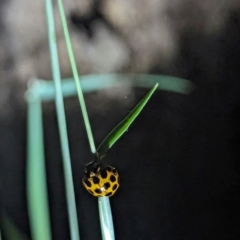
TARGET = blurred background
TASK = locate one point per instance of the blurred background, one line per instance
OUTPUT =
(179, 162)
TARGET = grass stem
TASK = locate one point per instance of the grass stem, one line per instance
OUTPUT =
(76, 78)
(71, 204)
(36, 176)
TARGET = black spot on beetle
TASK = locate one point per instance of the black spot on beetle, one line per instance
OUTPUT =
(98, 191)
(104, 173)
(114, 187)
(112, 179)
(87, 183)
(107, 185)
(109, 194)
(96, 180)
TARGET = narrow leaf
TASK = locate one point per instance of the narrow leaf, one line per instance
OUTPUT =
(37, 196)
(62, 125)
(123, 126)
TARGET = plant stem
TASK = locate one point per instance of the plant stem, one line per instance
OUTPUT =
(72, 212)
(36, 176)
(76, 78)
(106, 221)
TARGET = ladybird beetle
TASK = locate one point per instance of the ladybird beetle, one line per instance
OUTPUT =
(100, 180)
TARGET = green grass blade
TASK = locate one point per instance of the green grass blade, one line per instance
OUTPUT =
(106, 220)
(123, 126)
(70, 195)
(91, 83)
(36, 177)
(76, 78)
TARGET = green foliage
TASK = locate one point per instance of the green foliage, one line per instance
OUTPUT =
(36, 176)
(123, 126)
(57, 89)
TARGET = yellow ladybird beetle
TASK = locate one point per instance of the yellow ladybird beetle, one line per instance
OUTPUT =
(100, 180)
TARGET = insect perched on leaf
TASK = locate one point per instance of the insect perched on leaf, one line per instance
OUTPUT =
(101, 179)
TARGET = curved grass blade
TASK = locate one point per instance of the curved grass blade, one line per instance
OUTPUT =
(123, 126)
(91, 83)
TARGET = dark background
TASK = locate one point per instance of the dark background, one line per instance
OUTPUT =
(179, 162)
